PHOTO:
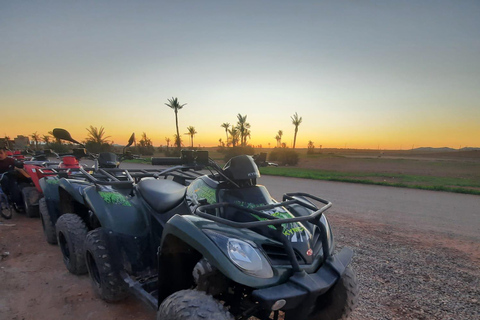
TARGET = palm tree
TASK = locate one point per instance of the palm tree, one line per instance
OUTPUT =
(280, 134)
(226, 125)
(46, 138)
(191, 131)
(35, 137)
(167, 139)
(233, 135)
(175, 105)
(243, 126)
(278, 138)
(97, 135)
(178, 140)
(296, 122)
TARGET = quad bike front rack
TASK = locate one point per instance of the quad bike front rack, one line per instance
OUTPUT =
(288, 199)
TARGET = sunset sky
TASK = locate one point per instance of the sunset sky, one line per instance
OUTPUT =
(362, 74)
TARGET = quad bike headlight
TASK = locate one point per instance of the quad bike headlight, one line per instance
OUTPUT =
(245, 256)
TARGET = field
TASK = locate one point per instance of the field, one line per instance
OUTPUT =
(445, 171)
(453, 171)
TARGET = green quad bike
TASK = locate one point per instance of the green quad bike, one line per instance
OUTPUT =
(206, 246)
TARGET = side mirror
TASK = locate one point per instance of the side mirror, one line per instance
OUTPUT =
(131, 140)
(64, 135)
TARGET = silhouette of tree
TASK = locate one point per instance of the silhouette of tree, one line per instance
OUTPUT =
(310, 147)
(277, 137)
(97, 135)
(296, 122)
(178, 140)
(175, 105)
(145, 145)
(46, 138)
(226, 125)
(280, 134)
(191, 132)
(35, 137)
(234, 134)
(243, 127)
(167, 139)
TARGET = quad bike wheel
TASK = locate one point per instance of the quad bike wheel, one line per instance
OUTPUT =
(192, 305)
(6, 210)
(340, 300)
(30, 195)
(47, 223)
(105, 277)
(71, 233)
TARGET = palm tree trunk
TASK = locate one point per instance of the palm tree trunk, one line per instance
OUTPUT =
(178, 134)
(295, 137)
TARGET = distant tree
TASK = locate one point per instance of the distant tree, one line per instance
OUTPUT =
(96, 140)
(145, 145)
(167, 139)
(310, 147)
(46, 138)
(225, 126)
(175, 105)
(97, 135)
(35, 137)
(280, 134)
(178, 139)
(191, 132)
(296, 120)
(278, 138)
(234, 135)
(243, 128)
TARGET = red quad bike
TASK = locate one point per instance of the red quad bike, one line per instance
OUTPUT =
(33, 194)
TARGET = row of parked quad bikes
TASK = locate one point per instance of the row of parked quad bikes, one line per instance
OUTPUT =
(194, 240)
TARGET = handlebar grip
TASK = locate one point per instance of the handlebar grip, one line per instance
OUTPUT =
(167, 161)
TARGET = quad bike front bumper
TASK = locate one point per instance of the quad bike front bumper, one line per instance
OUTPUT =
(299, 294)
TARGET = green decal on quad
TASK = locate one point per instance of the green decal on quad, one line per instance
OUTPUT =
(289, 229)
(114, 198)
(52, 181)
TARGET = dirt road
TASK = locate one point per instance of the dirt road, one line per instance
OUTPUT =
(417, 256)
(426, 211)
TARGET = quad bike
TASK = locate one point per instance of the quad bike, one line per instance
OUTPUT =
(210, 246)
(58, 179)
(39, 167)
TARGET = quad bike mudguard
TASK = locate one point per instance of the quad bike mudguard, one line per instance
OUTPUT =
(49, 186)
(74, 188)
(115, 211)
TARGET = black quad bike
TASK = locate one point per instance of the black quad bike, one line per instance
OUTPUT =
(205, 246)
(55, 180)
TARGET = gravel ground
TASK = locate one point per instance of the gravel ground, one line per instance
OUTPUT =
(402, 274)
(406, 275)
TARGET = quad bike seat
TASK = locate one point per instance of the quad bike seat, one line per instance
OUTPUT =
(161, 195)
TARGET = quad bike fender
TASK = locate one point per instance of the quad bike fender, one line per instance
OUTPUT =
(115, 211)
(188, 228)
(74, 188)
(49, 186)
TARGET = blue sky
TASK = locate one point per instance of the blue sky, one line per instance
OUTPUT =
(362, 74)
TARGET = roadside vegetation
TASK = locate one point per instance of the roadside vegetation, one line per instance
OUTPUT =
(450, 184)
